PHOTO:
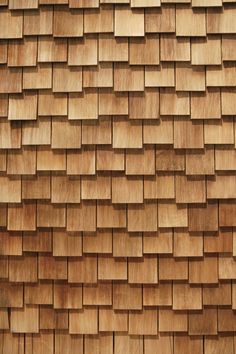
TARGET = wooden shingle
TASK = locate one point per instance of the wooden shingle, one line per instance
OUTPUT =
(22, 161)
(203, 270)
(190, 189)
(67, 23)
(81, 162)
(218, 76)
(66, 79)
(50, 215)
(144, 51)
(127, 134)
(65, 189)
(11, 190)
(142, 218)
(111, 268)
(112, 48)
(200, 162)
(160, 20)
(186, 297)
(11, 26)
(78, 269)
(206, 105)
(109, 159)
(65, 243)
(144, 105)
(174, 103)
(219, 133)
(220, 20)
(10, 138)
(206, 51)
(39, 77)
(25, 4)
(110, 320)
(163, 341)
(52, 268)
(65, 134)
(143, 323)
(11, 80)
(39, 241)
(127, 190)
(172, 321)
(98, 132)
(155, 188)
(227, 101)
(38, 22)
(25, 320)
(128, 78)
(172, 215)
(189, 78)
(142, 162)
(83, 105)
(228, 47)
(200, 3)
(98, 187)
(127, 244)
(111, 216)
(113, 103)
(143, 270)
(203, 217)
(83, 51)
(190, 22)
(99, 20)
(97, 294)
(22, 52)
(97, 242)
(37, 132)
(157, 295)
(85, 214)
(83, 3)
(50, 104)
(141, 3)
(22, 217)
(160, 76)
(83, 321)
(47, 157)
(23, 107)
(186, 244)
(158, 132)
(188, 134)
(227, 211)
(129, 22)
(52, 50)
(3, 51)
(203, 322)
(158, 242)
(174, 48)
(98, 76)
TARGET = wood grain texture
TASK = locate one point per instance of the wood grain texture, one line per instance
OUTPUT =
(117, 176)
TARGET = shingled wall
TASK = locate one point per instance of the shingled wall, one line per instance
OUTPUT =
(117, 182)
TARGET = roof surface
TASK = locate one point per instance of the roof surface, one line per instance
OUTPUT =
(117, 176)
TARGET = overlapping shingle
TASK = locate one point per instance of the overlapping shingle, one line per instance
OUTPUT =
(117, 176)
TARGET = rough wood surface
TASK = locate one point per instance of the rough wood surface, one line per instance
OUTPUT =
(117, 176)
